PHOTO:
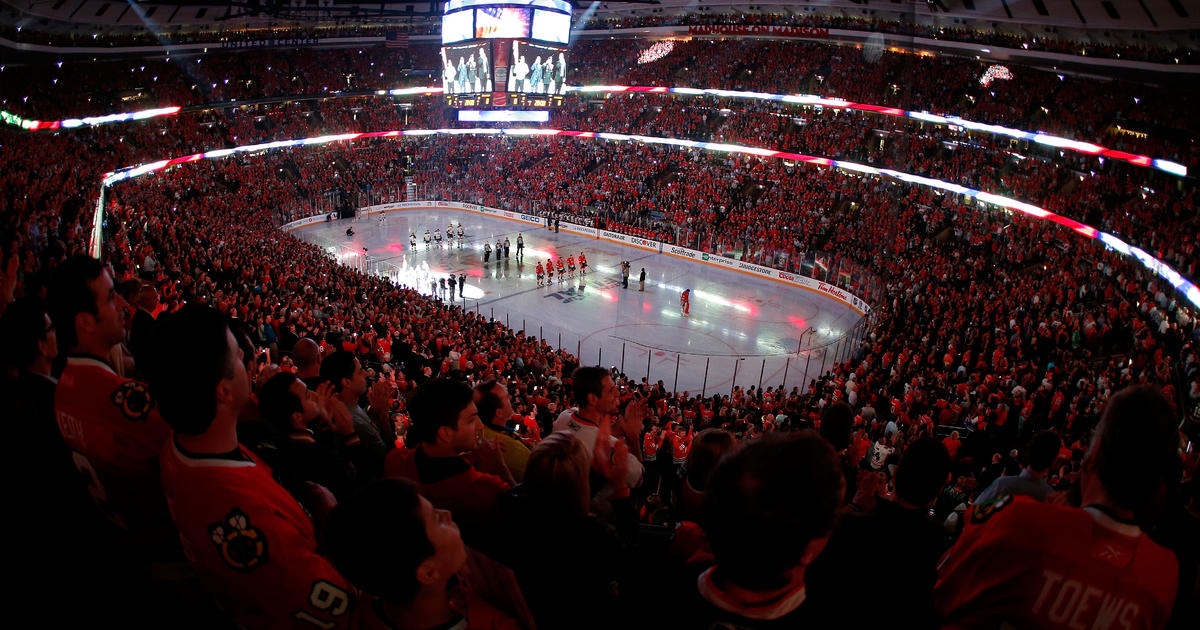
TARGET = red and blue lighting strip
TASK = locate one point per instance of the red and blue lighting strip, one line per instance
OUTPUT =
(811, 100)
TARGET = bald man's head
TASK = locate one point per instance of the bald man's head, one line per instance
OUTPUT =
(307, 356)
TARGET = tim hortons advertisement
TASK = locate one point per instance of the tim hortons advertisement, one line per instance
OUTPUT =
(834, 291)
(758, 29)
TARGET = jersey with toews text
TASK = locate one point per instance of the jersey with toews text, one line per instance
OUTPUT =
(253, 545)
(1037, 566)
(115, 436)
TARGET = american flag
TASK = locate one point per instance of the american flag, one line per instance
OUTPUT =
(396, 39)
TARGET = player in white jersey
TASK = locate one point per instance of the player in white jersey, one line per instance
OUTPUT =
(412, 240)
(437, 236)
(428, 238)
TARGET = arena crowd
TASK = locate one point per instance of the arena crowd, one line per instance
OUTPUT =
(275, 440)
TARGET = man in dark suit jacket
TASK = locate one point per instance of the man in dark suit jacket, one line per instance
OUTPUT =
(146, 301)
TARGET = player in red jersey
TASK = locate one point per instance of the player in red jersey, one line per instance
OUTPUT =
(107, 421)
(582, 264)
(541, 274)
(685, 301)
(1024, 564)
(561, 272)
(549, 272)
(570, 266)
(251, 543)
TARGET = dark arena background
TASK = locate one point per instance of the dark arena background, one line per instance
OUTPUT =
(566, 314)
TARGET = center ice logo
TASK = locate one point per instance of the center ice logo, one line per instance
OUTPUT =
(576, 294)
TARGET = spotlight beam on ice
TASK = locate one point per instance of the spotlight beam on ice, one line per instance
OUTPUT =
(1154, 265)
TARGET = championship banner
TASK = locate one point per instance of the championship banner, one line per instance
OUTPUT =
(758, 29)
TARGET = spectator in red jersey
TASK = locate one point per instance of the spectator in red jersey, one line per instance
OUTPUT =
(252, 544)
(413, 580)
(109, 423)
(952, 444)
(768, 512)
(1035, 565)
(445, 426)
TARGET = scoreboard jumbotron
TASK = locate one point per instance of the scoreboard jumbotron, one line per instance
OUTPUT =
(505, 53)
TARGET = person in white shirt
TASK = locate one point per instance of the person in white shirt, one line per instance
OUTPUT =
(597, 399)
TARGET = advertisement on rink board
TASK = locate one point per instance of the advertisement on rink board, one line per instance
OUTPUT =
(830, 290)
(636, 241)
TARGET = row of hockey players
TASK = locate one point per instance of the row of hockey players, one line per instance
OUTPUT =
(545, 275)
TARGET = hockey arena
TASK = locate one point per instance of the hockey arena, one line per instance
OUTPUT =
(566, 315)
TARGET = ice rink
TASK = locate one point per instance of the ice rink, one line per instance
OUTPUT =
(737, 322)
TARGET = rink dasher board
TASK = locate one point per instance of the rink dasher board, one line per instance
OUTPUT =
(795, 280)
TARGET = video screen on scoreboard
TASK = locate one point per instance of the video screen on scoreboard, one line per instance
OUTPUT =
(457, 27)
(467, 68)
(552, 27)
(537, 69)
(501, 22)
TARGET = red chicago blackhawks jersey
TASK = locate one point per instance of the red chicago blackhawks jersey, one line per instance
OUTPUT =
(650, 447)
(115, 436)
(254, 546)
(1024, 564)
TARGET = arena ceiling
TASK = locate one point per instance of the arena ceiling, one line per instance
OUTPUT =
(1087, 15)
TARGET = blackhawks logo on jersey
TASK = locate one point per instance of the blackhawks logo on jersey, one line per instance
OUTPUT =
(242, 546)
(133, 399)
(985, 510)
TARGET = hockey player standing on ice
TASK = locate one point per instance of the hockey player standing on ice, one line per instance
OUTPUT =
(685, 301)
(487, 252)
(549, 272)
(428, 238)
(541, 272)
(520, 246)
(460, 234)
(562, 273)
(582, 264)
(437, 237)
(506, 245)
(412, 240)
